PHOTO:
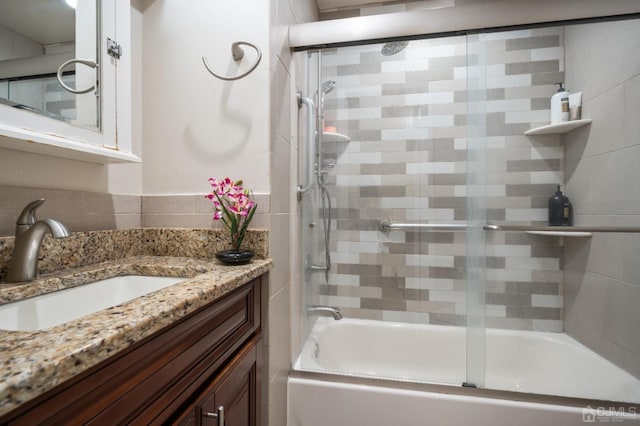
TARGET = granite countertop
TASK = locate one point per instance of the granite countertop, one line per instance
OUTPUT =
(34, 362)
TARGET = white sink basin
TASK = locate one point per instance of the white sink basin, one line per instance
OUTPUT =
(49, 310)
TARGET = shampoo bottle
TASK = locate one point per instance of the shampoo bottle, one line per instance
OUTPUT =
(560, 106)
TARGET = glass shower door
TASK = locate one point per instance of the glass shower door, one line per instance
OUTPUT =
(392, 155)
(476, 120)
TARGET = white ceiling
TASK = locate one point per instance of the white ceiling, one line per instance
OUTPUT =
(44, 21)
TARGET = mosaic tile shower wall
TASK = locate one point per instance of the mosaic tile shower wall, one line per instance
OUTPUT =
(406, 162)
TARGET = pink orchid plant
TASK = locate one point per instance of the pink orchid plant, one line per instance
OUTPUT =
(234, 206)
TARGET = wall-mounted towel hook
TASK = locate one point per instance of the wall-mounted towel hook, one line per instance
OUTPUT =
(237, 53)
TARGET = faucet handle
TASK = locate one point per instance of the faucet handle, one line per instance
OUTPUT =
(28, 215)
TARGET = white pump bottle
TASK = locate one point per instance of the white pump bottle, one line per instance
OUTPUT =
(560, 106)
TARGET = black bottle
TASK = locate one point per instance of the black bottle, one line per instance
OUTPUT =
(567, 211)
(560, 210)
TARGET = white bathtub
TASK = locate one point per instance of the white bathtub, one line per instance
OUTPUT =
(527, 362)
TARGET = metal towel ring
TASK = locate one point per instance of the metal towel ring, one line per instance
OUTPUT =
(86, 62)
(237, 53)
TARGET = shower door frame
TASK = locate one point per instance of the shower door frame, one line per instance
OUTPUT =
(475, 297)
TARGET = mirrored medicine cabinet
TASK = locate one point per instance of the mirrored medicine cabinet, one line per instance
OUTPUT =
(65, 72)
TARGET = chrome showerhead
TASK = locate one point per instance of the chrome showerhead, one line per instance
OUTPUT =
(393, 47)
(328, 86)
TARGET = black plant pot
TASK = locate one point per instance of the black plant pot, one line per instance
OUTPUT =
(234, 257)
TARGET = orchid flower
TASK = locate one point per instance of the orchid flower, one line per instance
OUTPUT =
(234, 206)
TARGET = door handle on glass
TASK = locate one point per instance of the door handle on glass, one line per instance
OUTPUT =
(87, 62)
(217, 415)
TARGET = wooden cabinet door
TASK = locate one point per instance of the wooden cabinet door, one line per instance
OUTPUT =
(235, 392)
(189, 419)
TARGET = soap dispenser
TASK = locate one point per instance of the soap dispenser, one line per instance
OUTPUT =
(560, 105)
(560, 209)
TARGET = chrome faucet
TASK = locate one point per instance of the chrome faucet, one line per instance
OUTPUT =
(326, 310)
(29, 235)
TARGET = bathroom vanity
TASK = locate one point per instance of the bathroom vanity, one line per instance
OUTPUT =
(188, 354)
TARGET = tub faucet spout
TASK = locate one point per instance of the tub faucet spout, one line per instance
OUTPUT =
(29, 235)
(327, 311)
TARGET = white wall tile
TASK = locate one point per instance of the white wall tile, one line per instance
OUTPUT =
(519, 215)
(532, 263)
(448, 296)
(547, 53)
(606, 133)
(547, 177)
(522, 275)
(346, 58)
(631, 108)
(399, 66)
(360, 247)
(346, 280)
(553, 326)
(538, 116)
(614, 42)
(345, 257)
(508, 81)
(429, 283)
(410, 317)
(429, 260)
(508, 250)
(343, 301)
(546, 301)
(357, 113)
(431, 121)
(358, 91)
(499, 311)
(429, 98)
(430, 214)
(385, 124)
(407, 133)
(508, 105)
(547, 152)
(430, 168)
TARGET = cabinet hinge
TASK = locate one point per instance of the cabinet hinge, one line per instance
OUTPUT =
(113, 48)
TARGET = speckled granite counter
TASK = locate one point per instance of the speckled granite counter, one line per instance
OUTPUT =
(34, 362)
(91, 247)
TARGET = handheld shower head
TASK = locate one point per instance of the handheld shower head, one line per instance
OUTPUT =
(328, 86)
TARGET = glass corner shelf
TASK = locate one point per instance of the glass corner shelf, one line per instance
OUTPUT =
(335, 137)
(558, 129)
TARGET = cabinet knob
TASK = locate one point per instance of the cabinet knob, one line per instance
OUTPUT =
(219, 414)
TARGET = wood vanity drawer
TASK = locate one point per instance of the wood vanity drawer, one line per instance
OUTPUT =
(155, 377)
